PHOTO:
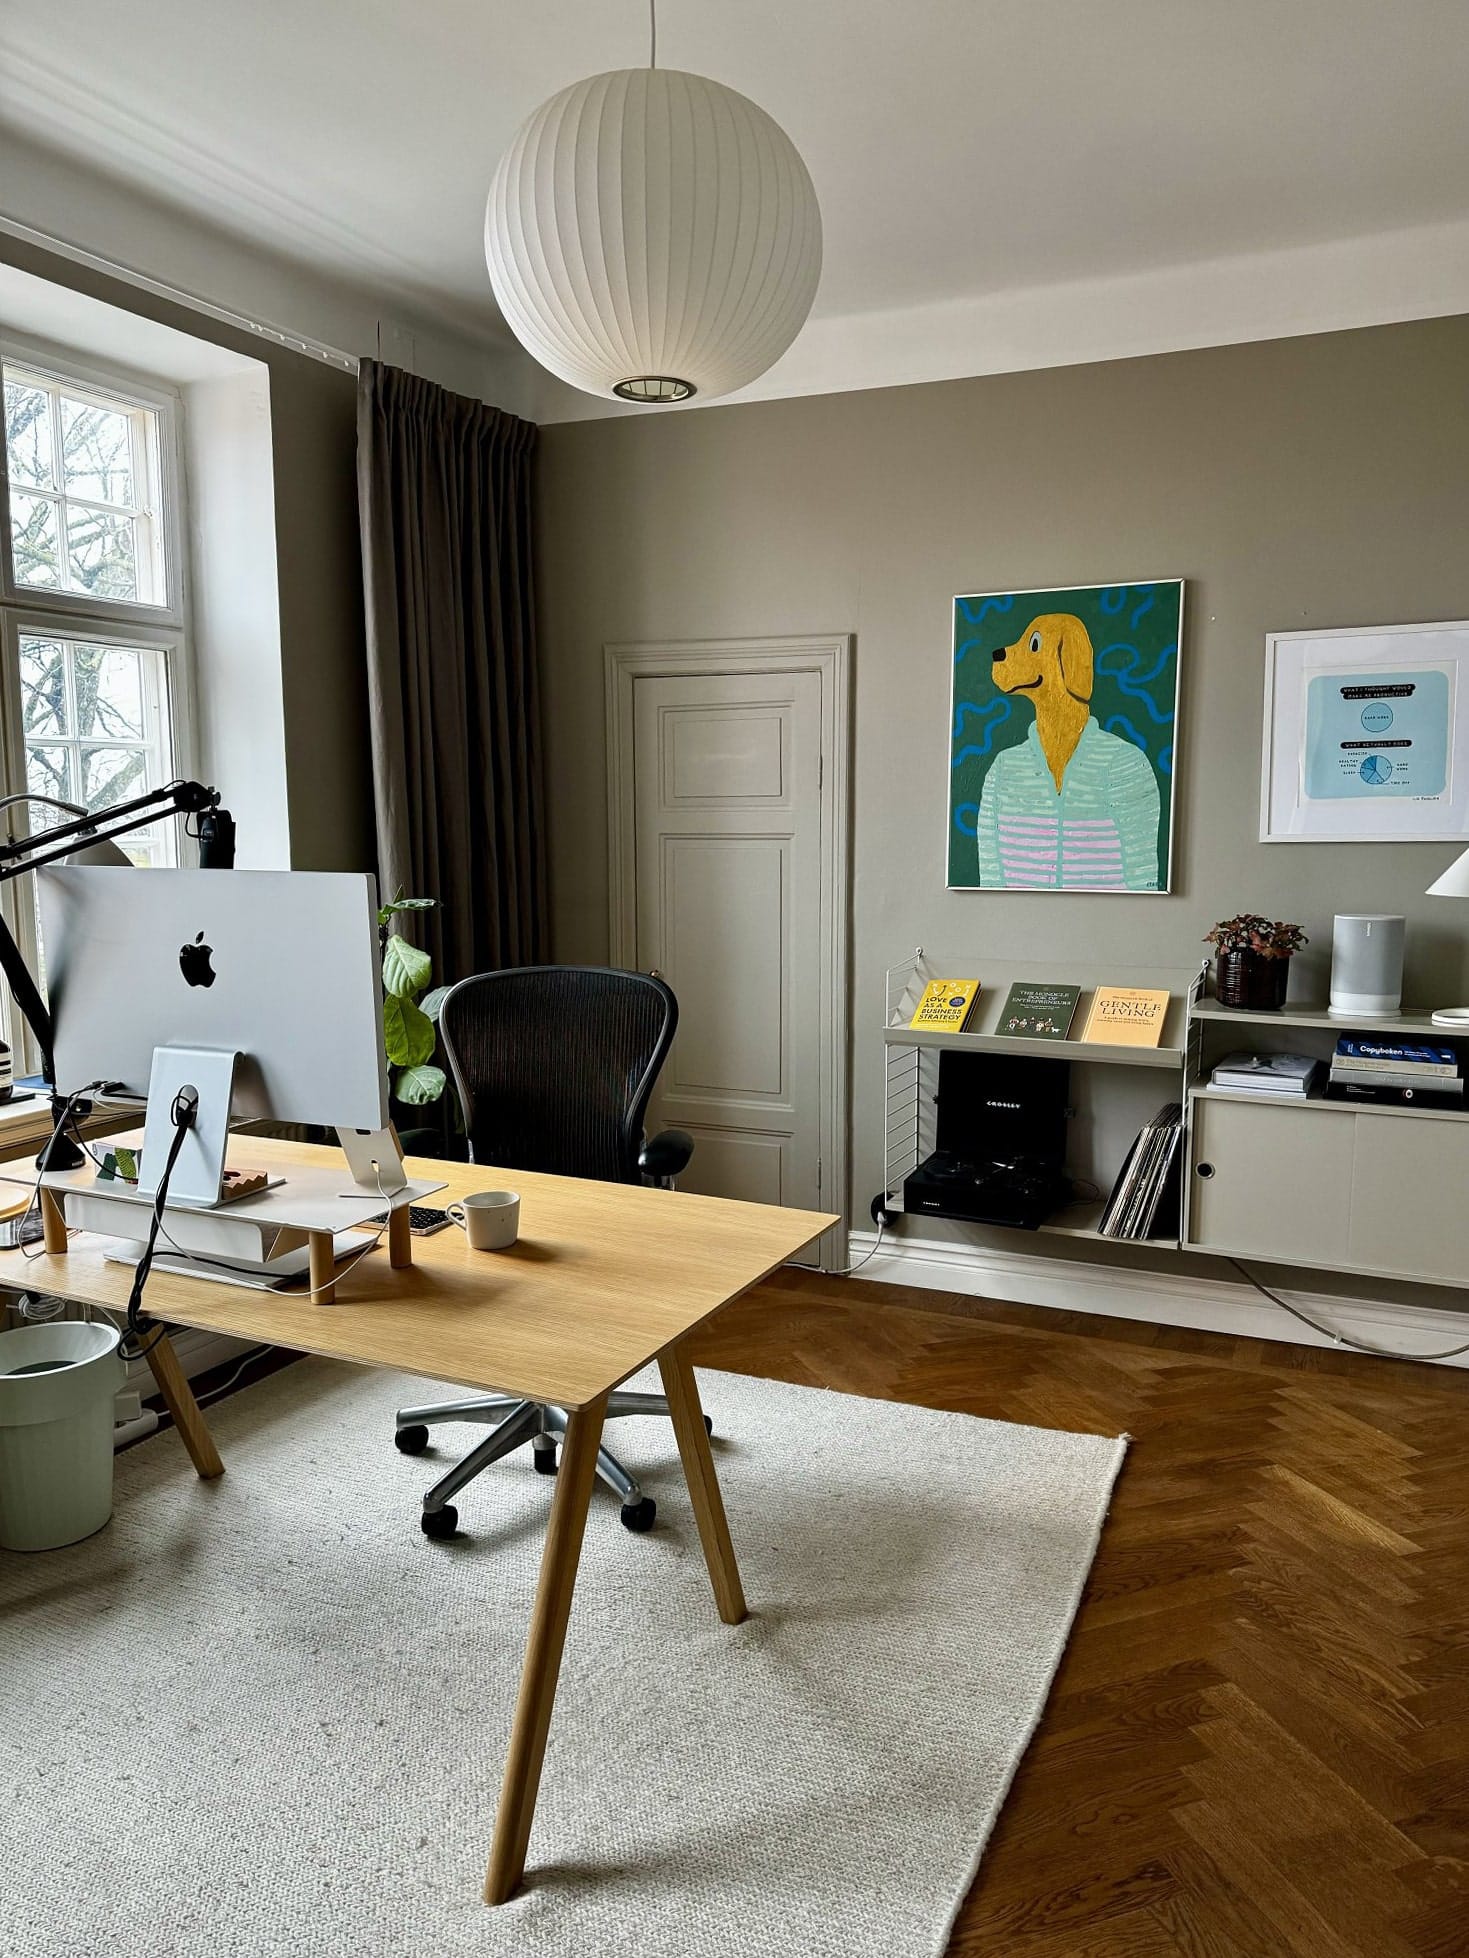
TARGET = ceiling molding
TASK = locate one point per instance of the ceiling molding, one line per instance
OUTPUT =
(1374, 281)
(124, 135)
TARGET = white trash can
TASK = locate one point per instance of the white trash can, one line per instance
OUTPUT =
(57, 1384)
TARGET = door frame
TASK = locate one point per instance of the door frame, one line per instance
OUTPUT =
(829, 656)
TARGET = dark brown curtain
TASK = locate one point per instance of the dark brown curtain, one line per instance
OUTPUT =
(444, 488)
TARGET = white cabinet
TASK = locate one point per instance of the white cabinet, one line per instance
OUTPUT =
(1384, 1191)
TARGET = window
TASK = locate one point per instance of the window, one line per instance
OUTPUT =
(84, 491)
(94, 678)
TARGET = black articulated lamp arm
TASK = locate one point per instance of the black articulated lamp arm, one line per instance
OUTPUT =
(82, 831)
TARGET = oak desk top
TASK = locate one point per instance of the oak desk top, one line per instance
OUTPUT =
(604, 1276)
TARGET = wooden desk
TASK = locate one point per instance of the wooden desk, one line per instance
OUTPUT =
(605, 1278)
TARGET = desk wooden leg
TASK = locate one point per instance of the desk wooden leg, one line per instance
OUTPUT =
(323, 1256)
(178, 1398)
(53, 1223)
(698, 1466)
(543, 1650)
(400, 1238)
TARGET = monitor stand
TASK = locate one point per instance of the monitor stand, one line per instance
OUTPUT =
(198, 1175)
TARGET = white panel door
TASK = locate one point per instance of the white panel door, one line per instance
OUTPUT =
(727, 818)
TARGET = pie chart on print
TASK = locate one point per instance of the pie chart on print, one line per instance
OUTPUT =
(1375, 770)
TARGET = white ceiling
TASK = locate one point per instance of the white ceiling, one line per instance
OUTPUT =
(963, 150)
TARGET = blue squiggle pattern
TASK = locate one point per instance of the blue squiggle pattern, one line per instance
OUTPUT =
(1143, 609)
(966, 818)
(1001, 710)
(1165, 760)
(1133, 683)
(1120, 724)
(997, 602)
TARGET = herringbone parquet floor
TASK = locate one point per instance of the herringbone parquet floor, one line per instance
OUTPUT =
(1258, 1743)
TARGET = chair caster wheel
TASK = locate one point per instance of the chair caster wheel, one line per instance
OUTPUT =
(411, 1441)
(708, 1424)
(440, 1523)
(639, 1516)
(545, 1460)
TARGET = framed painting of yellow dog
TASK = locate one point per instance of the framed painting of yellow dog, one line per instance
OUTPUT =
(1064, 724)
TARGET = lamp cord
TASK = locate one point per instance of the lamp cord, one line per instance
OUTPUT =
(653, 33)
(1333, 1333)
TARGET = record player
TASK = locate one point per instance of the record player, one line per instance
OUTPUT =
(1001, 1142)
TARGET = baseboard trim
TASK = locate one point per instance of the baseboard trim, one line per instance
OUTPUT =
(1221, 1305)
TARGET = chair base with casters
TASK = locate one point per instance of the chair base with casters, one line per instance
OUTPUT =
(516, 1423)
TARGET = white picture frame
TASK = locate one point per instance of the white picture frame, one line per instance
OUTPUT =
(1366, 735)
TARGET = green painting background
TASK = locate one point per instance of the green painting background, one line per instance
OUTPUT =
(1134, 631)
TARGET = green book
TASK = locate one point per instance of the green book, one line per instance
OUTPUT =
(1038, 1012)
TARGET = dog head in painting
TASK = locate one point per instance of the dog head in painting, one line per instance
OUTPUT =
(1052, 662)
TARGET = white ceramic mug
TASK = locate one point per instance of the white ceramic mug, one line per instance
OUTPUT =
(490, 1219)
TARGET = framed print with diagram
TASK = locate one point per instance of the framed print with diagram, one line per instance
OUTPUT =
(1366, 735)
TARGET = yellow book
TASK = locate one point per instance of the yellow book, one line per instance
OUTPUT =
(1127, 1016)
(945, 1006)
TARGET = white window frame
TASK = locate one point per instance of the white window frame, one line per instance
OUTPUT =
(27, 609)
(165, 468)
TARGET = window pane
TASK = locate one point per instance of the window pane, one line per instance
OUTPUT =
(96, 452)
(28, 435)
(42, 686)
(33, 540)
(48, 772)
(100, 554)
(111, 775)
(108, 683)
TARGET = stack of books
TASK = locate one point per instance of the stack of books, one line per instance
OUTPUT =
(1285, 1076)
(1145, 1196)
(1364, 1069)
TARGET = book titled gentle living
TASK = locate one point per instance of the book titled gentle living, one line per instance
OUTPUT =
(945, 1006)
(1036, 1012)
(1127, 1016)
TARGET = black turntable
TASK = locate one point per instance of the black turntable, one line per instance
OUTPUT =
(1001, 1136)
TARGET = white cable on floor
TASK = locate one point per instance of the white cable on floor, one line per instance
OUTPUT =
(1341, 1338)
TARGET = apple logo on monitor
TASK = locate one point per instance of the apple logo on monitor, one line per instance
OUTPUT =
(194, 962)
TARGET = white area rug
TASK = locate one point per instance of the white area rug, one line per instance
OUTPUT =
(267, 1716)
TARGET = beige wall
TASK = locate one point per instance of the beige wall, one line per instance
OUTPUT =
(1294, 483)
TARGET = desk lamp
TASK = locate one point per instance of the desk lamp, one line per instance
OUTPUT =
(1453, 883)
(88, 837)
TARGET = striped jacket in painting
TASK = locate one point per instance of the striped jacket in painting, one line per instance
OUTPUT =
(1099, 833)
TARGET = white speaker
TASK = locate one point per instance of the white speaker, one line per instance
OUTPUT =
(1366, 967)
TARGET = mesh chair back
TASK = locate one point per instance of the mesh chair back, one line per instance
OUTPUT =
(555, 1064)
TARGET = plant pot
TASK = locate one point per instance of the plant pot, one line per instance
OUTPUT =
(1250, 980)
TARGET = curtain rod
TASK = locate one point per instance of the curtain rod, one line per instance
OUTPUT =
(179, 295)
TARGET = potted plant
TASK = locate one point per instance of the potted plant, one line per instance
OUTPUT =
(410, 1030)
(1252, 958)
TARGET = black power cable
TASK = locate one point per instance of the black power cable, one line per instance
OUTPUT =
(184, 1113)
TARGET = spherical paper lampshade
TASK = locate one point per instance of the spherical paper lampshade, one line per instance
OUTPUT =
(653, 235)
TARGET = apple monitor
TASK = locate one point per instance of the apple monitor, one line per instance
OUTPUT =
(278, 967)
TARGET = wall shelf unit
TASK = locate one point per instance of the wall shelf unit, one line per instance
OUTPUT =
(1114, 1089)
(1370, 1189)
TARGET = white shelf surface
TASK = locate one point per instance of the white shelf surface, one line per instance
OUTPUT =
(1414, 1111)
(1416, 1024)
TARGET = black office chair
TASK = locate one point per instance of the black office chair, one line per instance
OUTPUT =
(554, 1065)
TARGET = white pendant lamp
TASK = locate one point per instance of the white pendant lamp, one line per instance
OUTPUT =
(653, 235)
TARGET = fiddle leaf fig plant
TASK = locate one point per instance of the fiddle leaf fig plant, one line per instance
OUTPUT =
(409, 1034)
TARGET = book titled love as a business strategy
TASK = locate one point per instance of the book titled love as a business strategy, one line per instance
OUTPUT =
(1127, 1016)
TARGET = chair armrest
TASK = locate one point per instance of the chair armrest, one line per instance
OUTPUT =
(666, 1154)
